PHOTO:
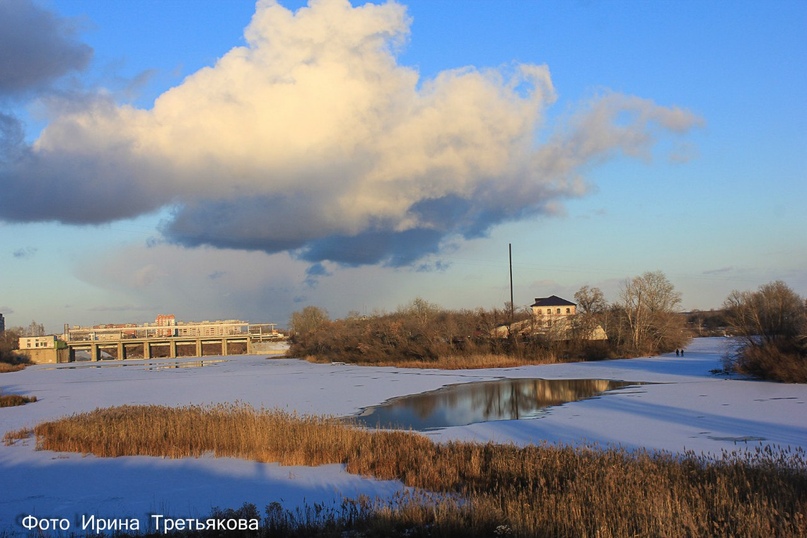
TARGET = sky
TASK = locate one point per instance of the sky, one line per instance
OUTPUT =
(241, 160)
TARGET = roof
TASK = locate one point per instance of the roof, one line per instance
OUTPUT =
(553, 300)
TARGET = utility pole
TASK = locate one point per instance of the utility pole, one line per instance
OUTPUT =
(510, 252)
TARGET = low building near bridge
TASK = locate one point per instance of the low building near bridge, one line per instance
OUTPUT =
(44, 349)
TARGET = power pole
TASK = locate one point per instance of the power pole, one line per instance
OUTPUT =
(512, 311)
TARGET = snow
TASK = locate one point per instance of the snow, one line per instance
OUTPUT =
(683, 407)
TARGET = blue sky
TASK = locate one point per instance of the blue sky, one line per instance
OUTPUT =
(187, 158)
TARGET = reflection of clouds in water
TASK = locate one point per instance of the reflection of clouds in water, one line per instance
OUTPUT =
(468, 403)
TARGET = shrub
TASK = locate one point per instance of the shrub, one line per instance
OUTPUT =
(775, 361)
(772, 325)
(12, 400)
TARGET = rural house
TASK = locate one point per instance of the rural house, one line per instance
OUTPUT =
(553, 308)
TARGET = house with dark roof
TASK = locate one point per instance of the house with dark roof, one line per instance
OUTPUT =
(552, 308)
(552, 317)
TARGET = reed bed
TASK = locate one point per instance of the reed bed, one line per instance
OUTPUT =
(469, 489)
(457, 362)
(6, 367)
(11, 400)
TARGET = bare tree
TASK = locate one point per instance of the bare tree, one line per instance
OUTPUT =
(774, 312)
(422, 310)
(307, 320)
(591, 308)
(590, 300)
(35, 329)
(772, 322)
(650, 304)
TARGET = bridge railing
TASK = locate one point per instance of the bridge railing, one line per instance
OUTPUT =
(195, 330)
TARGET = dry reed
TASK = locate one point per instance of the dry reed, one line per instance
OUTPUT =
(478, 489)
(6, 367)
(457, 362)
(11, 400)
(11, 436)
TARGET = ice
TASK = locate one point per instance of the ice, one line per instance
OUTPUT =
(687, 407)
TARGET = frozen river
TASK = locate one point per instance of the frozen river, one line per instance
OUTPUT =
(682, 407)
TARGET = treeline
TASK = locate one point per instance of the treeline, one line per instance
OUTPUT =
(418, 332)
(644, 320)
(10, 357)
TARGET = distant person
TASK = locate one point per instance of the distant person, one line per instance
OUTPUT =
(682, 352)
(676, 352)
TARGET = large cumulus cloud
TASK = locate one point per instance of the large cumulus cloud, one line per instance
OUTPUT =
(312, 139)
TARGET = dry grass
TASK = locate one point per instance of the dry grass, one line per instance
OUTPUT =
(457, 362)
(6, 367)
(476, 488)
(10, 437)
(11, 400)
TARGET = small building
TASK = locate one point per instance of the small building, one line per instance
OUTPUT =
(44, 349)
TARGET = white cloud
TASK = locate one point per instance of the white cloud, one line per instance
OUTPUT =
(312, 139)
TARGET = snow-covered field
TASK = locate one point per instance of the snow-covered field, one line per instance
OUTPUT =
(687, 408)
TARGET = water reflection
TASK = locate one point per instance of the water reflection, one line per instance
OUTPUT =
(506, 399)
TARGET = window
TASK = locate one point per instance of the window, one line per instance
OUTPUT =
(558, 310)
(568, 310)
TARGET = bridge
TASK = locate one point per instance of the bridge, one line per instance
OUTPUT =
(183, 340)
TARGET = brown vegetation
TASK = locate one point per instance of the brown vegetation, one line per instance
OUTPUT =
(418, 333)
(11, 400)
(426, 336)
(16, 435)
(771, 324)
(454, 362)
(10, 359)
(476, 489)
(6, 367)
(785, 362)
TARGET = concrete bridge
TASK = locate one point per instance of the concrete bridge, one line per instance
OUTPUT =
(184, 340)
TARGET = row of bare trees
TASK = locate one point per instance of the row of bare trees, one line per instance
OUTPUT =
(418, 331)
(644, 320)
